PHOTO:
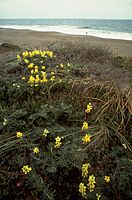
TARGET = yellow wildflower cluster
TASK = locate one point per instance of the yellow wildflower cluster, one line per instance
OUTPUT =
(39, 71)
(85, 168)
(26, 169)
(36, 79)
(85, 126)
(58, 142)
(91, 180)
(86, 138)
(31, 65)
(19, 134)
(89, 108)
(25, 54)
(36, 52)
(82, 189)
(91, 183)
(107, 179)
(98, 196)
(36, 150)
(45, 133)
(18, 57)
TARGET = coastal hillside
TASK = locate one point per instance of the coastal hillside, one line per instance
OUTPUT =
(65, 119)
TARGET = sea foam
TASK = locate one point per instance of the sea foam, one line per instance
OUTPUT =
(73, 30)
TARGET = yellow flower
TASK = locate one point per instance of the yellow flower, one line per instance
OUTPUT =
(50, 54)
(85, 126)
(98, 196)
(36, 150)
(43, 67)
(45, 133)
(18, 57)
(26, 169)
(91, 183)
(37, 52)
(82, 189)
(26, 61)
(19, 134)
(25, 54)
(52, 78)
(52, 73)
(107, 179)
(37, 79)
(31, 54)
(31, 79)
(68, 65)
(85, 168)
(32, 71)
(23, 78)
(61, 65)
(57, 142)
(86, 138)
(43, 74)
(37, 76)
(36, 70)
(42, 54)
(44, 80)
(30, 65)
(58, 139)
(89, 108)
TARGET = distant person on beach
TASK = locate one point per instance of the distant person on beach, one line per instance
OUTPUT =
(86, 33)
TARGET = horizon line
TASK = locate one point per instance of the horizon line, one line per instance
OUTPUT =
(74, 18)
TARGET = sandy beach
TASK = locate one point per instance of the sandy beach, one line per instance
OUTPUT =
(35, 39)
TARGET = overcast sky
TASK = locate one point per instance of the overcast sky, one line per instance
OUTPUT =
(113, 9)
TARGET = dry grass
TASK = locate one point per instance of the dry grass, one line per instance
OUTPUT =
(110, 119)
(81, 53)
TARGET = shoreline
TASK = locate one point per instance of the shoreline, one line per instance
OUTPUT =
(38, 39)
(77, 32)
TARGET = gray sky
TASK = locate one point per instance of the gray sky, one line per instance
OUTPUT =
(113, 9)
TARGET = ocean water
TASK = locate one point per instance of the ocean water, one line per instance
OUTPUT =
(103, 28)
